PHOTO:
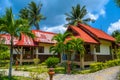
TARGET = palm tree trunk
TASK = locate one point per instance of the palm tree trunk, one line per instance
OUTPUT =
(11, 58)
(81, 62)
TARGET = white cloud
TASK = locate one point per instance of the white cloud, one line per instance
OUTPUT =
(114, 26)
(102, 12)
(56, 29)
(96, 16)
(96, 8)
(92, 16)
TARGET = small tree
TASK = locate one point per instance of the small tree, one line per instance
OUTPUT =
(59, 47)
(78, 46)
(9, 25)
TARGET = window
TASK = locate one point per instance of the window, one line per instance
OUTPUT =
(87, 48)
(41, 49)
(98, 48)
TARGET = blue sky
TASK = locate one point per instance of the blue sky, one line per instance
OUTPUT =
(105, 12)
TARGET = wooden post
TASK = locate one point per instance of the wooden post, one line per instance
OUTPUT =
(36, 52)
(21, 55)
(95, 57)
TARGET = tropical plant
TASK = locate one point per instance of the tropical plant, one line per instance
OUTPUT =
(14, 27)
(77, 15)
(24, 13)
(52, 62)
(59, 47)
(32, 14)
(78, 46)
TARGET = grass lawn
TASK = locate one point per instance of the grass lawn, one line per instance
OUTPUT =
(14, 78)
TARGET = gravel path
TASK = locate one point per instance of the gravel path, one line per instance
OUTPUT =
(106, 74)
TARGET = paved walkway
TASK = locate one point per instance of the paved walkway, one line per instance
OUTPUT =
(106, 74)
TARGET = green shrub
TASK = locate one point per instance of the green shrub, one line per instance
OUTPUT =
(36, 61)
(112, 63)
(96, 66)
(100, 65)
(52, 62)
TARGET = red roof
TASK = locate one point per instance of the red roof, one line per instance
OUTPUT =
(98, 33)
(44, 37)
(40, 36)
(25, 41)
(6, 39)
(83, 35)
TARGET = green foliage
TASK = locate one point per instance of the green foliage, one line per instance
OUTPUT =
(77, 15)
(32, 13)
(36, 61)
(117, 2)
(96, 66)
(118, 53)
(100, 65)
(52, 61)
(85, 71)
(14, 78)
(4, 55)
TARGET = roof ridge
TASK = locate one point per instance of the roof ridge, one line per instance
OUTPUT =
(44, 31)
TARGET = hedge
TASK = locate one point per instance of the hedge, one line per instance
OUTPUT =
(100, 65)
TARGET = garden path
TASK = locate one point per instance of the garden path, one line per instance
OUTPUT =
(106, 74)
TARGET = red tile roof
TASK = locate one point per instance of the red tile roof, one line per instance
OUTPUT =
(40, 36)
(83, 35)
(25, 41)
(6, 39)
(98, 33)
(44, 37)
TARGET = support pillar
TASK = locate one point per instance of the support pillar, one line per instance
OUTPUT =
(21, 57)
(95, 57)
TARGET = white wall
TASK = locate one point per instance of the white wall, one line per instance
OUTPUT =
(104, 48)
(46, 49)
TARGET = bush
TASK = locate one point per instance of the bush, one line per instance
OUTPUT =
(52, 62)
(100, 65)
(96, 66)
(36, 61)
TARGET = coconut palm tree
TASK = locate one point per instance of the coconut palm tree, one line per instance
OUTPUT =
(59, 47)
(23, 13)
(117, 2)
(77, 14)
(9, 25)
(32, 14)
(78, 46)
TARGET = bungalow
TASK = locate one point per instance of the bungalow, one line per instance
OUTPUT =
(98, 44)
(26, 48)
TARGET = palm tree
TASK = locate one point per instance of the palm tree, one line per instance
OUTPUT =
(13, 27)
(69, 48)
(77, 14)
(24, 13)
(117, 2)
(59, 47)
(32, 14)
(78, 46)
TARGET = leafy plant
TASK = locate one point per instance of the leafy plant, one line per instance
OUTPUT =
(36, 61)
(52, 62)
